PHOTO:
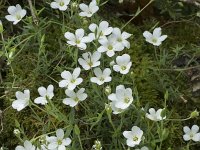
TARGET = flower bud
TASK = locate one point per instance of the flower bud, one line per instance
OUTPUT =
(194, 114)
(1, 27)
(16, 132)
(97, 145)
(74, 5)
(108, 108)
(107, 90)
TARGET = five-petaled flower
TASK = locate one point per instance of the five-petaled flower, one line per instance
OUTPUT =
(60, 4)
(27, 146)
(16, 13)
(45, 95)
(22, 100)
(101, 76)
(191, 134)
(155, 38)
(123, 64)
(121, 99)
(155, 115)
(78, 39)
(134, 136)
(88, 10)
(74, 97)
(58, 141)
(121, 37)
(90, 60)
(70, 80)
(101, 31)
(110, 46)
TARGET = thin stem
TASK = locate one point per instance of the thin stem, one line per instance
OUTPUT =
(137, 13)
(35, 20)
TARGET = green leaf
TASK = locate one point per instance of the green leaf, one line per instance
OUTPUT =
(76, 130)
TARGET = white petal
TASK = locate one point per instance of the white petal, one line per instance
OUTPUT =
(20, 148)
(10, 18)
(98, 72)
(147, 35)
(63, 83)
(186, 137)
(23, 13)
(157, 32)
(61, 147)
(130, 143)
(96, 56)
(11, 10)
(127, 134)
(195, 129)
(78, 81)
(84, 64)
(82, 46)
(41, 100)
(93, 27)
(162, 38)
(83, 7)
(186, 129)
(67, 141)
(71, 86)
(42, 91)
(52, 146)
(112, 97)
(70, 36)
(70, 102)
(76, 72)
(79, 33)
(54, 5)
(19, 104)
(66, 75)
(60, 134)
(196, 137)
(63, 8)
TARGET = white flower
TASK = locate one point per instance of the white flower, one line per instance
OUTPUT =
(155, 115)
(122, 98)
(134, 136)
(70, 80)
(16, 13)
(45, 95)
(97, 145)
(22, 100)
(88, 11)
(101, 31)
(123, 64)
(16, 131)
(74, 98)
(191, 134)
(78, 39)
(27, 146)
(155, 38)
(110, 46)
(101, 76)
(60, 4)
(121, 38)
(90, 60)
(58, 142)
(143, 148)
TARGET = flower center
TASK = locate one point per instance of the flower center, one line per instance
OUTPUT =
(59, 142)
(119, 39)
(76, 99)
(154, 40)
(78, 41)
(73, 80)
(18, 17)
(90, 64)
(101, 79)
(127, 100)
(135, 138)
(110, 47)
(123, 67)
(191, 135)
(61, 3)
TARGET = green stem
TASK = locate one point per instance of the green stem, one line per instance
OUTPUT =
(137, 13)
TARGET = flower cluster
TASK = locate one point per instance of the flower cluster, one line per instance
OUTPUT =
(109, 41)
